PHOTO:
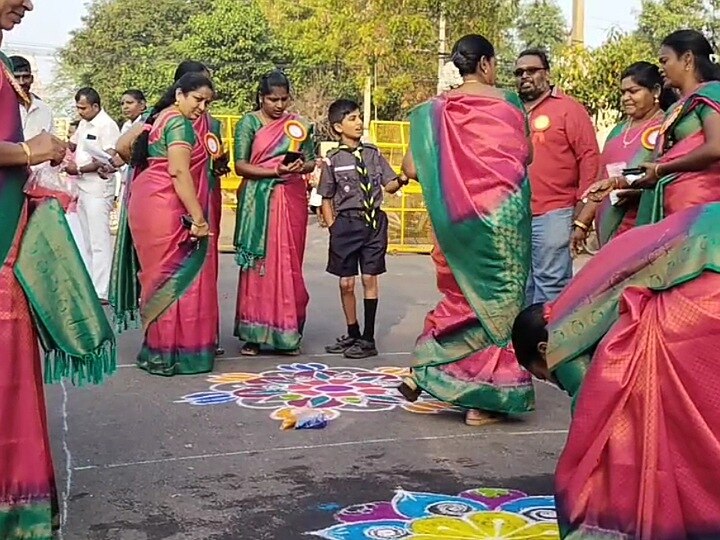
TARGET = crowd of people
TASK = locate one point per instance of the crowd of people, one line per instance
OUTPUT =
(513, 181)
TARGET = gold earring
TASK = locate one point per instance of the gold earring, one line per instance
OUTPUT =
(657, 100)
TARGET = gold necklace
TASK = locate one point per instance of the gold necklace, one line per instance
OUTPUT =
(627, 143)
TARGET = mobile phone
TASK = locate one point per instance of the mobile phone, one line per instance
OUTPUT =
(187, 222)
(633, 171)
(291, 157)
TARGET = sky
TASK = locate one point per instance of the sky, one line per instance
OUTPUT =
(50, 24)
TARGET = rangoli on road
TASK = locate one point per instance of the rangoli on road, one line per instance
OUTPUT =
(333, 390)
(478, 514)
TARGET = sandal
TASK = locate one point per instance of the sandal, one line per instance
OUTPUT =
(476, 418)
(219, 351)
(250, 349)
(409, 389)
(294, 352)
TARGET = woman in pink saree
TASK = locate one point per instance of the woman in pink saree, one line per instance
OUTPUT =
(271, 222)
(634, 339)
(630, 143)
(167, 215)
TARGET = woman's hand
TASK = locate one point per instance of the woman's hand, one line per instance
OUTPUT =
(46, 147)
(627, 196)
(651, 177)
(295, 167)
(200, 229)
(221, 165)
(577, 241)
(602, 188)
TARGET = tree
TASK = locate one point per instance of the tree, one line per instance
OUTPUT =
(128, 44)
(394, 43)
(593, 76)
(541, 23)
(658, 18)
(234, 40)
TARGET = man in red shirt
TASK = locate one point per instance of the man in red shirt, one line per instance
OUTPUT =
(566, 161)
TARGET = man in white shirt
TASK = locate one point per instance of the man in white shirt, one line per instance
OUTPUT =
(37, 116)
(96, 136)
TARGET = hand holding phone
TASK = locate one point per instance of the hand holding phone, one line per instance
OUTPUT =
(634, 174)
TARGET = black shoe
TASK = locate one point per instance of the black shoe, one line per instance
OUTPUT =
(341, 345)
(362, 349)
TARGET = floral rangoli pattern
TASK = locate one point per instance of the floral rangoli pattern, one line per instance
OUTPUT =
(333, 390)
(478, 514)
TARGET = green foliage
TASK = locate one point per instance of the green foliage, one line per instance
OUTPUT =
(593, 76)
(128, 44)
(541, 23)
(234, 40)
(659, 18)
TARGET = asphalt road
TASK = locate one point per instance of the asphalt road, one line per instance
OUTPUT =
(149, 458)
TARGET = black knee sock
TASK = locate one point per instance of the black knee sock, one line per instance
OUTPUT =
(354, 331)
(370, 312)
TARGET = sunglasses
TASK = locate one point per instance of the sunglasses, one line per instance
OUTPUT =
(519, 72)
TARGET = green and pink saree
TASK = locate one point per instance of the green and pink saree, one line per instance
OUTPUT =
(45, 295)
(471, 154)
(623, 149)
(270, 237)
(178, 291)
(634, 340)
(681, 133)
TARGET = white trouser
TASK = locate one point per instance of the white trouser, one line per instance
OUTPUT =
(94, 214)
(73, 222)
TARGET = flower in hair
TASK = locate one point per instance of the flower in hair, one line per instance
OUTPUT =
(715, 59)
(450, 77)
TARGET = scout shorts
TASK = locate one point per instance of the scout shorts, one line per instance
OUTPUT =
(353, 245)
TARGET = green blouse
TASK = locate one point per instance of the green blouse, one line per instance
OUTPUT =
(177, 131)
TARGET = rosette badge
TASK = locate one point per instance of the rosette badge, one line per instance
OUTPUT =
(297, 133)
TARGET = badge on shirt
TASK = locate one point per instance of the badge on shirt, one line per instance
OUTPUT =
(213, 146)
(650, 137)
(539, 126)
(344, 168)
(541, 123)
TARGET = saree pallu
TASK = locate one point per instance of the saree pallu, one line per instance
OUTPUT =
(471, 154)
(610, 220)
(178, 301)
(45, 295)
(641, 457)
(680, 134)
(270, 236)
(214, 214)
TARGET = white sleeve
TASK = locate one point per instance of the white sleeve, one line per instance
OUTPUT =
(109, 134)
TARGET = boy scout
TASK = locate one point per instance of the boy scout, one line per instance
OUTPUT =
(351, 185)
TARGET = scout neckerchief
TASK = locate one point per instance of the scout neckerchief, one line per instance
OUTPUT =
(369, 210)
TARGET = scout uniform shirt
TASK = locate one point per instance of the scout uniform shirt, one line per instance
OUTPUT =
(340, 180)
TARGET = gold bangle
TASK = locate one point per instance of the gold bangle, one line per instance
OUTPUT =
(581, 225)
(27, 151)
(657, 170)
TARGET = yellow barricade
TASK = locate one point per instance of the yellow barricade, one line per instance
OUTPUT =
(409, 223)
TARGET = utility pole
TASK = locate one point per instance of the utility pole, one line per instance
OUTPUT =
(442, 45)
(578, 23)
